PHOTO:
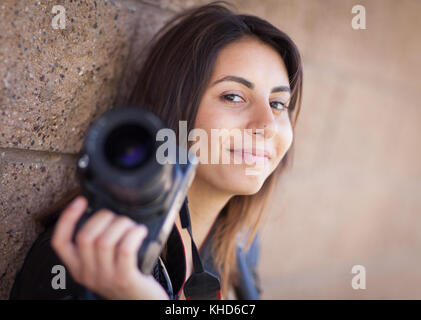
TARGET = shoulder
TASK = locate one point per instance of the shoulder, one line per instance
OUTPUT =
(251, 254)
(248, 286)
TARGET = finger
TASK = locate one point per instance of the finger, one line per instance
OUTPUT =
(107, 241)
(128, 248)
(61, 240)
(85, 240)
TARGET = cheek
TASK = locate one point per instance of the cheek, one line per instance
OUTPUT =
(283, 142)
(211, 117)
(208, 117)
(214, 114)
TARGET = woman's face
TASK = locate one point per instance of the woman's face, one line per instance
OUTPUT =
(248, 90)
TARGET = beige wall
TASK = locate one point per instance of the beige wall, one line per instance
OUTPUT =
(353, 195)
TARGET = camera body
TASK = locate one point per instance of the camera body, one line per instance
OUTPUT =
(118, 171)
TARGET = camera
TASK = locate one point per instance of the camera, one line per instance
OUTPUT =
(118, 170)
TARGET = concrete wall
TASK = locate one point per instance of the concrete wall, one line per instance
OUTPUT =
(353, 196)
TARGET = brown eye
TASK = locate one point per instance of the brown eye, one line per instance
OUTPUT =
(231, 97)
(279, 105)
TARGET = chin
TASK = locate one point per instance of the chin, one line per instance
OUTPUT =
(233, 179)
(245, 185)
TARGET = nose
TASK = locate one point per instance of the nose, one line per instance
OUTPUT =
(262, 121)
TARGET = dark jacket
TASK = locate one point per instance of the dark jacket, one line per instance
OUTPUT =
(34, 279)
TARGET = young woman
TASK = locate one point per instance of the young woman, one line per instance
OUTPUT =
(216, 70)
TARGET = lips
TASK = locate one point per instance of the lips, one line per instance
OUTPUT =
(253, 155)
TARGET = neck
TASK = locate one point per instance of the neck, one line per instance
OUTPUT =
(205, 203)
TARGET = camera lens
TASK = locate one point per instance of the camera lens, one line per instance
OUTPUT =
(121, 148)
(128, 147)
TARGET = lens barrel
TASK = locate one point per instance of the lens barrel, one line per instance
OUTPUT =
(121, 151)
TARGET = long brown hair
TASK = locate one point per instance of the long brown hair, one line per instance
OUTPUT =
(171, 83)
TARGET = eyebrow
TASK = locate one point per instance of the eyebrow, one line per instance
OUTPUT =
(249, 84)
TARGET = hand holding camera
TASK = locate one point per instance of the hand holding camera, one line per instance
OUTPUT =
(104, 256)
(111, 238)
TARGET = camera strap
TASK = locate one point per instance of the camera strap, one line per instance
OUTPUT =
(201, 285)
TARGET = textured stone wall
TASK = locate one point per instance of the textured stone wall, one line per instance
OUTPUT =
(54, 83)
